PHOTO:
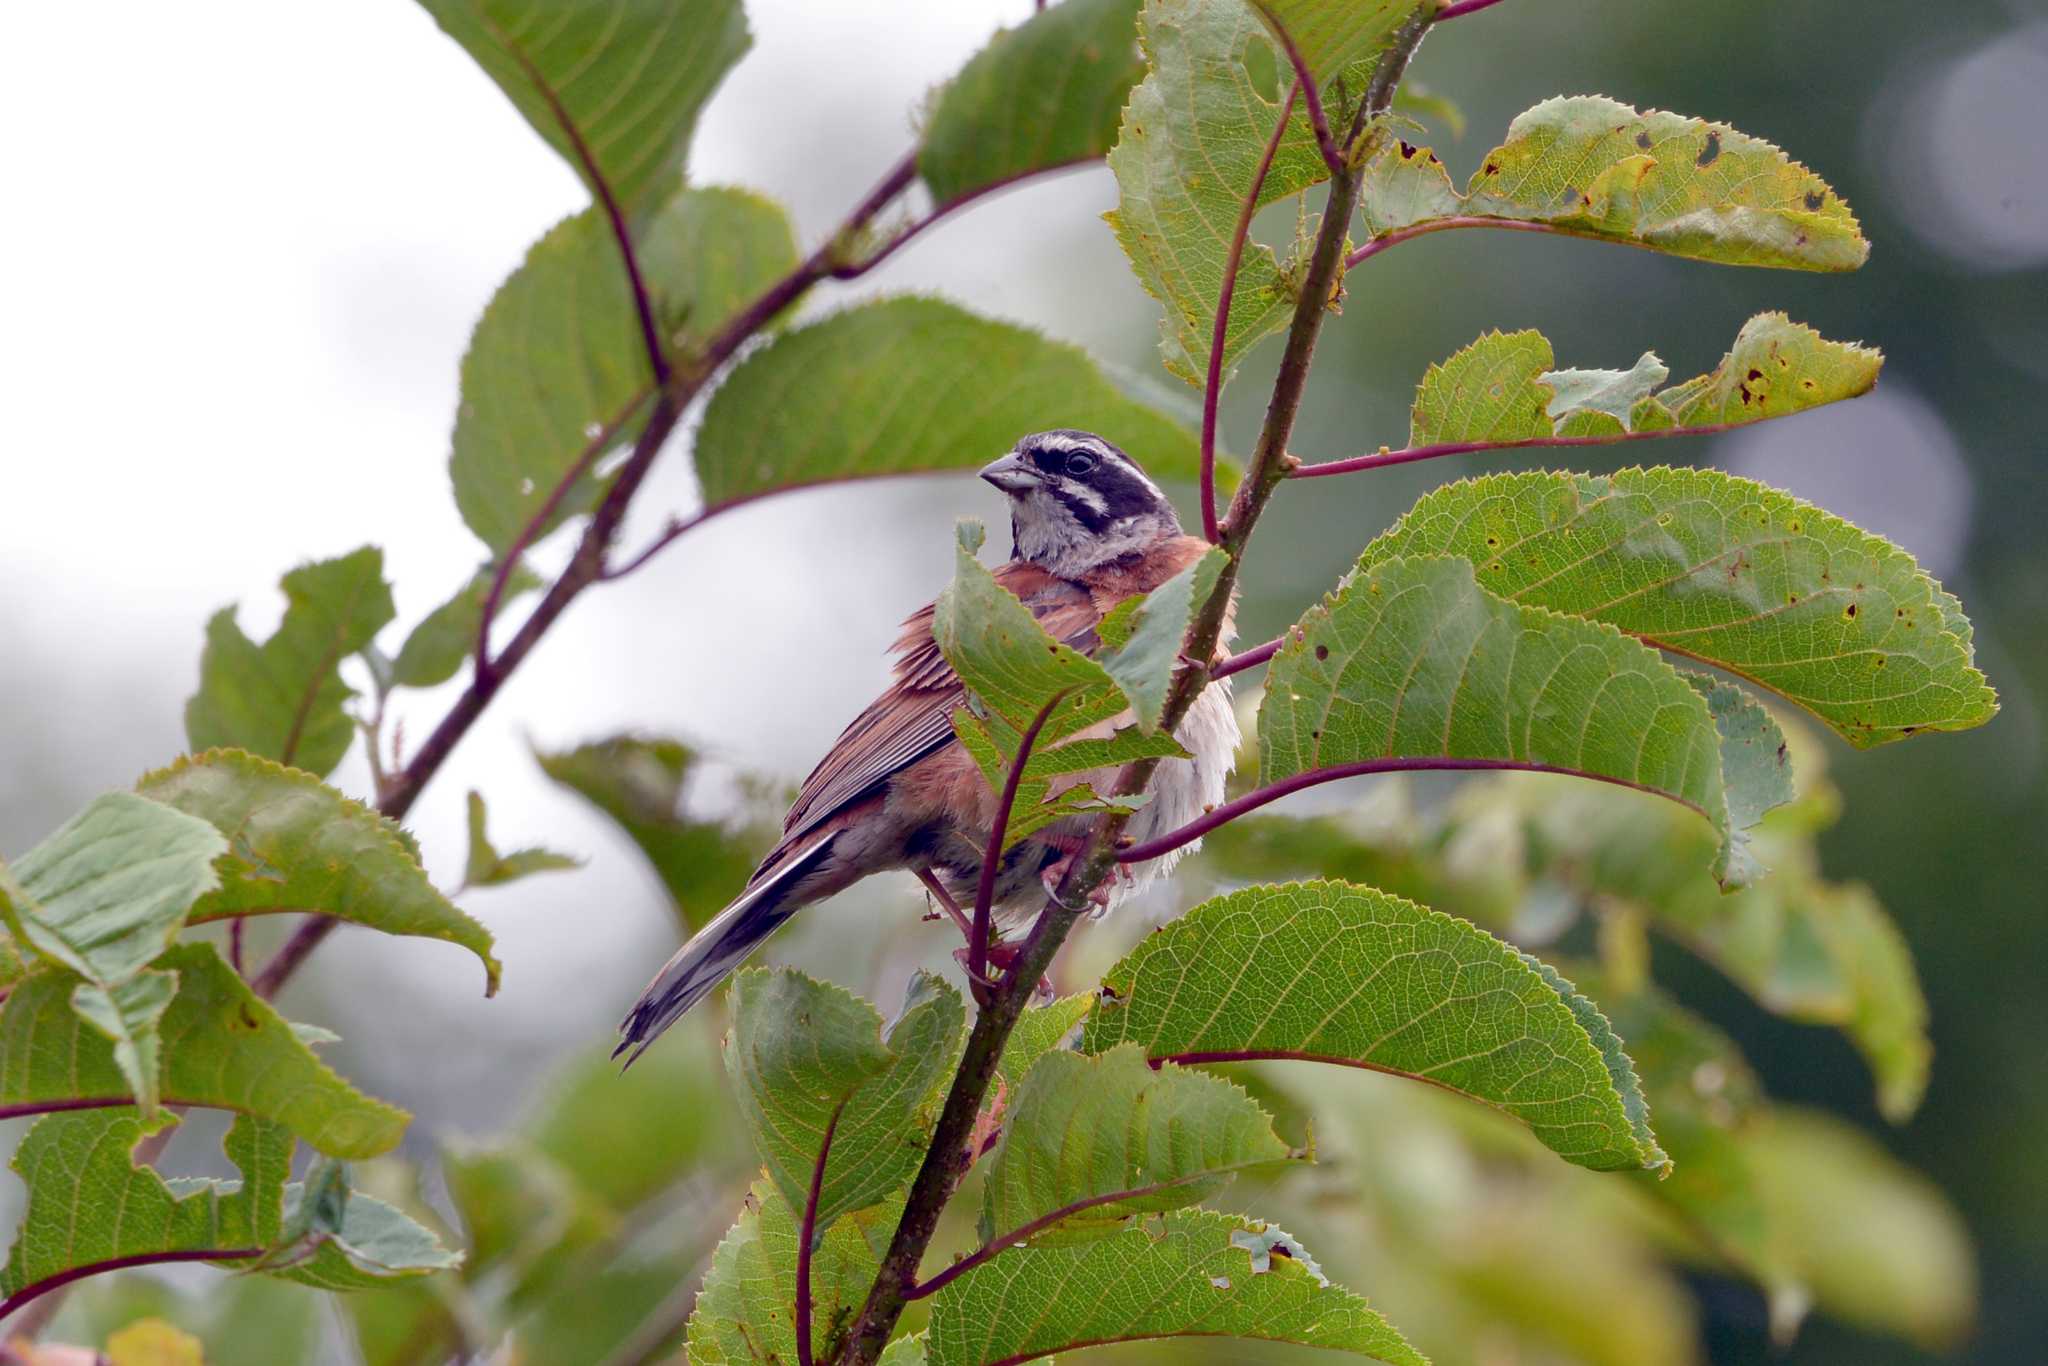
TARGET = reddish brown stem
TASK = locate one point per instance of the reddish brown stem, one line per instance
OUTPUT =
(1305, 81)
(1212, 387)
(1250, 659)
(992, 855)
(807, 1235)
(79, 1273)
(1384, 458)
(1273, 792)
(1463, 8)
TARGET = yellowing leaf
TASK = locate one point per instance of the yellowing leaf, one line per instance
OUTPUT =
(1592, 167)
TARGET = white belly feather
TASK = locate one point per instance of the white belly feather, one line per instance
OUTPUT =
(1183, 789)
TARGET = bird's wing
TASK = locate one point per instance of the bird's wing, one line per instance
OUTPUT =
(913, 718)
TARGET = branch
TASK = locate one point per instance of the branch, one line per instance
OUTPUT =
(946, 1158)
(807, 1235)
(992, 856)
(78, 1273)
(1212, 387)
(1384, 457)
(1273, 792)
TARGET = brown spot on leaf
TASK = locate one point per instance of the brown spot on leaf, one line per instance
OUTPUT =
(1814, 199)
(1643, 139)
(1710, 152)
(1322, 652)
(1408, 150)
(1492, 168)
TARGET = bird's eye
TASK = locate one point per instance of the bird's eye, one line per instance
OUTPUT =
(1080, 463)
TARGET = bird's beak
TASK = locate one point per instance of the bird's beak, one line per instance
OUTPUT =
(1011, 474)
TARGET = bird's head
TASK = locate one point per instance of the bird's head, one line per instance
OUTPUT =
(1077, 502)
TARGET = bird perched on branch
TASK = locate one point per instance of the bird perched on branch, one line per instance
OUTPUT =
(898, 790)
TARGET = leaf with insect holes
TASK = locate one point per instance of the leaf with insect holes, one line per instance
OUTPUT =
(745, 1311)
(1412, 661)
(438, 647)
(222, 1046)
(1725, 571)
(641, 783)
(1331, 35)
(1192, 1273)
(625, 78)
(489, 868)
(1014, 669)
(1591, 167)
(283, 699)
(1503, 389)
(827, 401)
(89, 1204)
(1082, 1128)
(1193, 135)
(557, 362)
(1045, 94)
(1329, 972)
(801, 1051)
(296, 844)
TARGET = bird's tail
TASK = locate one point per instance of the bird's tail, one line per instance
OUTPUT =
(714, 951)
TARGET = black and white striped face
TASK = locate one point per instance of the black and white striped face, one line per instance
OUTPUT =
(1077, 502)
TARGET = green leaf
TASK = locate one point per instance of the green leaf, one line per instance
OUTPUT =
(373, 1245)
(90, 1205)
(558, 361)
(1193, 135)
(1592, 167)
(1877, 1242)
(1040, 1030)
(283, 699)
(801, 1050)
(1725, 571)
(1411, 659)
(1334, 34)
(128, 1015)
(296, 844)
(825, 402)
(222, 1046)
(627, 1138)
(1756, 764)
(1143, 664)
(640, 783)
(629, 79)
(1329, 972)
(1502, 390)
(488, 868)
(1047, 93)
(1081, 1128)
(437, 647)
(1189, 1273)
(746, 1311)
(1013, 669)
(108, 890)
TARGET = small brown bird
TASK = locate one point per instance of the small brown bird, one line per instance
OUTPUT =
(897, 790)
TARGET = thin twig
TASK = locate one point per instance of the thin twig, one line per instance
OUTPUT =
(235, 960)
(43, 1287)
(1250, 659)
(528, 534)
(1383, 458)
(1212, 387)
(808, 1235)
(1273, 792)
(992, 855)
